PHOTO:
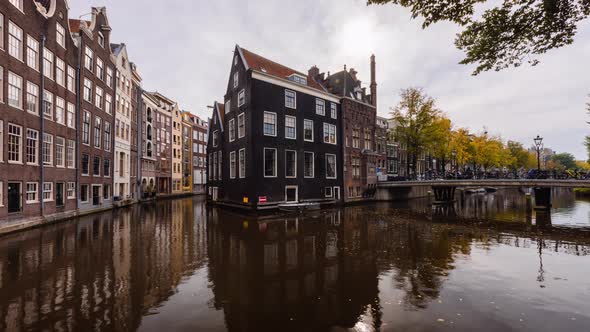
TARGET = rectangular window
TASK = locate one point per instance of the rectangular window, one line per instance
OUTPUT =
(290, 164)
(329, 133)
(1, 47)
(107, 168)
(98, 99)
(328, 192)
(227, 106)
(97, 132)
(47, 150)
(101, 39)
(96, 166)
(334, 110)
(308, 130)
(1, 144)
(60, 111)
(15, 138)
(290, 127)
(320, 106)
(107, 136)
(60, 34)
(15, 90)
(71, 116)
(85, 164)
(48, 105)
(87, 90)
(232, 130)
(270, 124)
(219, 156)
(242, 163)
(368, 140)
(270, 163)
(71, 83)
(48, 63)
(32, 192)
(356, 138)
(215, 138)
(47, 191)
(71, 190)
(32, 146)
(232, 165)
(88, 59)
(32, 53)
(241, 126)
(18, 4)
(86, 128)
(108, 104)
(59, 151)
(15, 41)
(84, 193)
(99, 68)
(32, 98)
(71, 154)
(236, 80)
(241, 98)
(1, 80)
(109, 77)
(60, 72)
(290, 99)
(330, 166)
(309, 162)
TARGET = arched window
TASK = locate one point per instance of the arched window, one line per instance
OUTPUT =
(149, 132)
(149, 114)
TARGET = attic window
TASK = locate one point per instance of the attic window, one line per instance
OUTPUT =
(101, 39)
(263, 70)
(41, 4)
(298, 79)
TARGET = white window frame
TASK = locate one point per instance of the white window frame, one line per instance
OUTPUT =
(35, 148)
(50, 191)
(17, 86)
(275, 171)
(232, 130)
(47, 152)
(71, 190)
(88, 58)
(320, 106)
(227, 107)
(215, 138)
(60, 35)
(71, 79)
(60, 152)
(232, 165)
(33, 92)
(34, 192)
(242, 163)
(20, 143)
(287, 102)
(295, 162)
(15, 40)
(71, 154)
(60, 72)
(335, 166)
(48, 64)
(242, 133)
(331, 195)
(241, 98)
(236, 79)
(264, 124)
(333, 110)
(71, 115)
(312, 165)
(294, 126)
(60, 111)
(32, 53)
(307, 121)
(1, 143)
(330, 126)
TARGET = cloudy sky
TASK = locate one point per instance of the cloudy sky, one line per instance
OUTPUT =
(184, 50)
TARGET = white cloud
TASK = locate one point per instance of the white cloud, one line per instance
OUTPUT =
(183, 49)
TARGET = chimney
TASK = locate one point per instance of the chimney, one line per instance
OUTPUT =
(313, 72)
(373, 82)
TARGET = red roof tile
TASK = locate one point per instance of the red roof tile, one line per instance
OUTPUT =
(262, 64)
(75, 25)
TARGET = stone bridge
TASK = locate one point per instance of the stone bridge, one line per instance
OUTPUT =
(444, 190)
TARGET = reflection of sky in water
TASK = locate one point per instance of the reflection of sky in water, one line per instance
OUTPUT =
(578, 214)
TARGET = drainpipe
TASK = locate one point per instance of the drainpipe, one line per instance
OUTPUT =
(42, 122)
(77, 153)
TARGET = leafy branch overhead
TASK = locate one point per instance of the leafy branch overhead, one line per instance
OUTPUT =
(508, 32)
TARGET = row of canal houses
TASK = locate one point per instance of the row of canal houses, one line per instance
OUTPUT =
(78, 133)
(283, 136)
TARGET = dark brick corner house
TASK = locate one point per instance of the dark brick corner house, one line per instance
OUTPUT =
(276, 138)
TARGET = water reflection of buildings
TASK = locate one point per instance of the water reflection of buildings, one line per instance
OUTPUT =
(102, 273)
(291, 272)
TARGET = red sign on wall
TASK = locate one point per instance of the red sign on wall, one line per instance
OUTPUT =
(262, 199)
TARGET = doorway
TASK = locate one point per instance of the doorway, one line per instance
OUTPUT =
(291, 194)
(337, 193)
(59, 194)
(95, 195)
(14, 197)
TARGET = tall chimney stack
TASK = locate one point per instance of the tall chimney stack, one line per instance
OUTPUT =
(373, 82)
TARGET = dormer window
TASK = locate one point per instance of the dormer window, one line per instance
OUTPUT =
(359, 95)
(235, 60)
(299, 79)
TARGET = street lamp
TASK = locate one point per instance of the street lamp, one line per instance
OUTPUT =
(538, 145)
(454, 153)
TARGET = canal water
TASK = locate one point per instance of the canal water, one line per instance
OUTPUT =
(177, 265)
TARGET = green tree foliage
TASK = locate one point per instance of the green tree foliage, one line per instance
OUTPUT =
(508, 33)
(567, 160)
(521, 158)
(417, 124)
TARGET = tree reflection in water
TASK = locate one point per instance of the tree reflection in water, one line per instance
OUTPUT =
(120, 271)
